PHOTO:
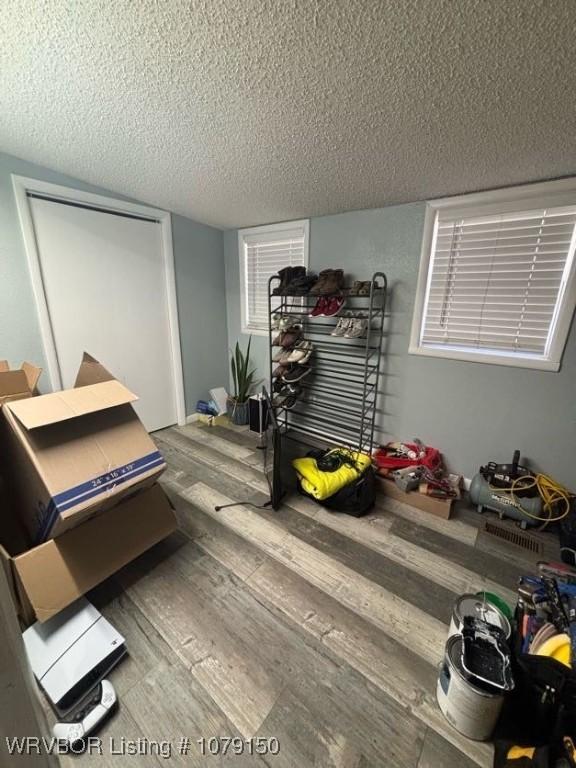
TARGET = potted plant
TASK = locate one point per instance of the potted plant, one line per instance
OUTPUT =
(243, 380)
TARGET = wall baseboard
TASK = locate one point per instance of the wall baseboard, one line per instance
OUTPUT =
(192, 418)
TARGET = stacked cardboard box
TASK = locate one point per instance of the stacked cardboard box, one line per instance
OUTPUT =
(80, 470)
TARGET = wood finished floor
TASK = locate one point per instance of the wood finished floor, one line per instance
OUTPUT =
(319, 629)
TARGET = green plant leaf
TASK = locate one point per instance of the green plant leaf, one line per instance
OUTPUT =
(234, 377)
(242, 378)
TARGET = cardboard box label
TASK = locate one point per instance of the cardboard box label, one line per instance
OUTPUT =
(73, 497)
(74, 453)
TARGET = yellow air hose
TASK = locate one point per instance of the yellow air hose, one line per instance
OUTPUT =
(550, 492)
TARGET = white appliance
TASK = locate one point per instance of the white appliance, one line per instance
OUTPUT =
(71, 653)
(91, 715)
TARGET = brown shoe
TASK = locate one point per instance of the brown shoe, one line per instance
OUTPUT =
(285, 276)
(334, 283)
(318, 287)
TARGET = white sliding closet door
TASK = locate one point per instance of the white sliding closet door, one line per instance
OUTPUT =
(105, 287)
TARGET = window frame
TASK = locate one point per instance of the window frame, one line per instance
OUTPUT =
(552, 193)
(286, 226)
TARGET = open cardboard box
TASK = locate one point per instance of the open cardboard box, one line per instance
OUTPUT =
(19, 383)
(439, 507)
(48, 577)
(73, 454)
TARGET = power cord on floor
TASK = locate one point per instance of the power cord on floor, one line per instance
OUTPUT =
(267, 504)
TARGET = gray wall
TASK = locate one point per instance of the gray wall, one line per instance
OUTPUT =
(198, 255)
(473, 412)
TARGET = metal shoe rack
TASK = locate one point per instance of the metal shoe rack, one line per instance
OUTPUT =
(338, 401)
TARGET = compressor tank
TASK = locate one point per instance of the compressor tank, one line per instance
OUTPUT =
(502, 502)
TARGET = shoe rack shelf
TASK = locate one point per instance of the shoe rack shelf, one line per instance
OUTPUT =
(338, 402)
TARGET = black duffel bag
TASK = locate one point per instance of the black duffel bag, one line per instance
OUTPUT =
(355, 499)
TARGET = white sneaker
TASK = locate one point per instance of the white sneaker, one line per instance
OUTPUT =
(342, 326)
(301, 352)
(357, 328)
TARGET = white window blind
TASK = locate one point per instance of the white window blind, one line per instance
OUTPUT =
(497, 283)
(264, 251)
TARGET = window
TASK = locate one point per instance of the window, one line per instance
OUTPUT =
(263, 252)
(497, 277)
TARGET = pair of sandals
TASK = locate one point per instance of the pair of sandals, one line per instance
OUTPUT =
(300, 353)
(360, 288)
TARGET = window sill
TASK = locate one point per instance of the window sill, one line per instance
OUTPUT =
(254, 331)
(491, 358)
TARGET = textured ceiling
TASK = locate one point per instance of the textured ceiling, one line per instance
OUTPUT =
(237, 113)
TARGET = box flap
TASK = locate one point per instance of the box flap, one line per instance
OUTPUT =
(70, 403)
(32, 373)
(4, 366)
(13, 383)
(91, 372)
(56, 573)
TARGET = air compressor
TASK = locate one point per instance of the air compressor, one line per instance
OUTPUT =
(502, 501)
(515, 491)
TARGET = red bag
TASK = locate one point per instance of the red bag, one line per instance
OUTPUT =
(399, 455)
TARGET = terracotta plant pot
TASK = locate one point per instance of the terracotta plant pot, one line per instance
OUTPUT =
(237, 412)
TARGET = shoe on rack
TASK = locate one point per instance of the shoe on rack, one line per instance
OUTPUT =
(300, 285)
(295, 373)
(333, 283)
(365, 288)
(356, 287)
(306, 357)
(292, 396)
(278, 385)
(287, 396)
(330, 281)
(291, 337)
(285, 276)
(282, 356)
(334, 306)
(297, 273)
(342, 325)
(319, 307)
(288, 338)
(300, 350)
(287, 321)
(357, 329)
(279, 371)
(318, 287)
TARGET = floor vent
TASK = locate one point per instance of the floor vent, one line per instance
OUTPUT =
(514, 536)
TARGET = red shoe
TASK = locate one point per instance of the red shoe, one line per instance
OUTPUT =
(334, 306)
(320, 307)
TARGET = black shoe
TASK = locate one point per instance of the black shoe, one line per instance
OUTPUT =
(296, 372)
(285, 276)
(287, 396)
(298, 273)
(300, 286)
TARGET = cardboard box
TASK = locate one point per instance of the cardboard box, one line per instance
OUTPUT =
(439, 507)
(47, 578)
(18, 384)
(70, 455)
